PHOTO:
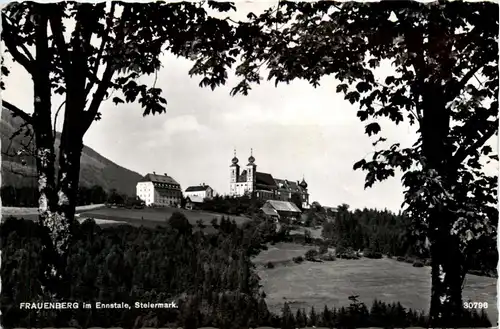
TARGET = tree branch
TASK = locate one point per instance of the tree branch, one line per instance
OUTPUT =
(16, 111)
(98, 97)
(57, 32)
(455, 88)
(12, 46)
(104, 42)
(55, 118)
(465, 151)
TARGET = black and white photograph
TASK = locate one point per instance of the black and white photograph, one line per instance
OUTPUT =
(249, 164)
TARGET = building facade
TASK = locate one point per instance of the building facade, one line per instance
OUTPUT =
(159, 190)
(248, 181)
(202, 191)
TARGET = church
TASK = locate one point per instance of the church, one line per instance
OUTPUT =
(264, 186)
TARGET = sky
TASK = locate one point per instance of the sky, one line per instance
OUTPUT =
(295, 131)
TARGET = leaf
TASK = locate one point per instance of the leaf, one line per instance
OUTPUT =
(117, 100)
(353, 97)
(342, 88)
(372, 129)
(363, 87)
(389, 80)
(486, 150)
(359, 164)
(362, 115)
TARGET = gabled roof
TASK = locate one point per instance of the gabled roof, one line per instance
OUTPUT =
(284, 206)
(197, 188)
(264, 179)
(270, 211)
(159, 179)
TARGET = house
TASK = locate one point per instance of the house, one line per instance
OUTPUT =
(203, 191)
(284, 211)
(193, 202)
(159, 190)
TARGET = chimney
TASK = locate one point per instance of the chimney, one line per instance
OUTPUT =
(165, 174)
(154, 172)
(203, 184)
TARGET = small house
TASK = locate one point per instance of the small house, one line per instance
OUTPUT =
(284, 211)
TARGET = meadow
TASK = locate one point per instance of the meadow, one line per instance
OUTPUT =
(148, 217)
(154, 215)
(331, 283)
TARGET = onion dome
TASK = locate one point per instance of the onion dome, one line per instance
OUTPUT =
(251, 159)
(303, 183)
(235, 160)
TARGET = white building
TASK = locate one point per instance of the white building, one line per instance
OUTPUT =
(199, 192)
(159, 190)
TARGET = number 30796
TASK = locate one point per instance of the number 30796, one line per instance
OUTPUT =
(476, 305)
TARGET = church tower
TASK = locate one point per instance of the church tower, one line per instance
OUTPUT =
(235, 173)
(251, 173)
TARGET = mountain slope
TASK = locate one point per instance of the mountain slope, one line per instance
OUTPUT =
(95, 169)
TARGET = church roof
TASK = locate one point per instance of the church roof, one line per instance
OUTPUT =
(264, 179)
(159, 179)
(289, 185)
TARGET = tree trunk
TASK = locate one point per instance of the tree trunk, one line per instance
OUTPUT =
(447, 273)
(447, 261)
(70, 151)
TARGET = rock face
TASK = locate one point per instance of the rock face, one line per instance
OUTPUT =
(95, 168)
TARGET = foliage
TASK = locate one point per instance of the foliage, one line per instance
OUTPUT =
(328, 257)
(233, 205)
(311, 255)
(129, 264)
(28, 196)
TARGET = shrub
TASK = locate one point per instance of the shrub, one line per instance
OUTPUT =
(323, 248)
(418, 263)
(311, 254)
(329, 257)
(270, 265)
(409, 260)
(428, 262)
(400, 259)
(298, 259)
(372, 254)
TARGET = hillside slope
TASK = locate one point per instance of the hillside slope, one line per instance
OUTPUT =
(95, 169)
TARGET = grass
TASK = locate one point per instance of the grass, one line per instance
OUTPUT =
(154, 216)
(331, 283)
(147, 217)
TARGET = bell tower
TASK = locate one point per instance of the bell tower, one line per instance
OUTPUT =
(235, 173)
(251, 172)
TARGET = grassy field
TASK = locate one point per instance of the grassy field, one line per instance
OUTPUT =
(150, 217)
(154, 216)
(331, 283)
